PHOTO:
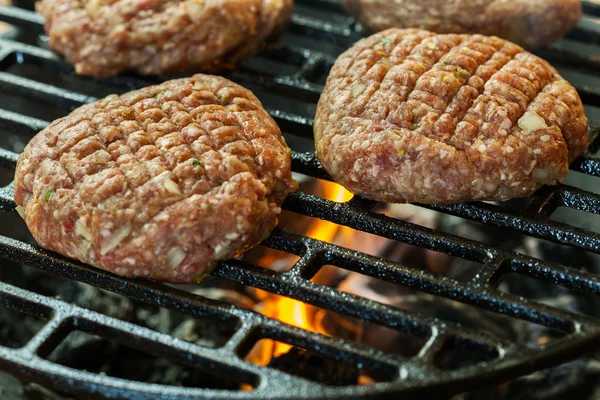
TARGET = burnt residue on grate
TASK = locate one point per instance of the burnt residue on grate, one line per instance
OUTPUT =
(36, 86)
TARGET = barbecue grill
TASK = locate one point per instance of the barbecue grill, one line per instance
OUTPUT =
(289, 80)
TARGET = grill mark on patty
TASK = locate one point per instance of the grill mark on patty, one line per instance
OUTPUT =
(399, 61)
(498, 65)
(435, 65)
(428, 129)
(472, 116)
(125, 148)
(112, 219)
(164, 165)
(570, 139)
(512, 132)
(461, 118)
(366, 53)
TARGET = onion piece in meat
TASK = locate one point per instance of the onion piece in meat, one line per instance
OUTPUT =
(82, 230)
(115, 238)
(175, 256)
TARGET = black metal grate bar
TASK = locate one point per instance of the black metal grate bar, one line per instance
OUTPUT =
(418, 376)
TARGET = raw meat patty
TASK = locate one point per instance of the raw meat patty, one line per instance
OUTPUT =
(530, 23)
(161, 182)
(408, 115)
(105, 37)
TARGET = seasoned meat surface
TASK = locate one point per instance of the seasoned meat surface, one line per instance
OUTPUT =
(104, 37)
(530, 23)
(161, 182)
(409, 115)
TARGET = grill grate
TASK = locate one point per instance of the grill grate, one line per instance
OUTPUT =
(308, 63)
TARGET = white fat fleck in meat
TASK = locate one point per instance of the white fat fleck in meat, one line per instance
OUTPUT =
(531, 167)
(531, 122)
(219, 251)
(82, 230)
(140, 191)
(113, 240)
(175, 257)
(171, 186)
(541, 175)
(102, 157)
(232, 235)
(357, 89)
(84, 246)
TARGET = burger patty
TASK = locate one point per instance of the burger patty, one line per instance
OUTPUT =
(530, 23)
(104, 37)
(409, 115)
(161, 182)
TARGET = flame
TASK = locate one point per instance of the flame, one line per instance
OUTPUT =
(290, 311)
(325, 230)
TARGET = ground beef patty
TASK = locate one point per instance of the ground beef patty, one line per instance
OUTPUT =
(530, 23)
(161, 182)
(105, 37)
(408, 115)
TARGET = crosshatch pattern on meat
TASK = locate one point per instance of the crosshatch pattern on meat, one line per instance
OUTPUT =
(160, 182)
(408, 115)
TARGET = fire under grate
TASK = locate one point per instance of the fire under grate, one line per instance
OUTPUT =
(318, 33)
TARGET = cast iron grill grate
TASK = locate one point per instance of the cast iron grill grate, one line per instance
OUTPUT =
(319, 31)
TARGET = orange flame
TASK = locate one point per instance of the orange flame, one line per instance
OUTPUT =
(290, 311)
(325, 230)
